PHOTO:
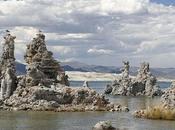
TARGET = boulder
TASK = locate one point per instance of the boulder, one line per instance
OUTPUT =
(104, 125)
(108, 89)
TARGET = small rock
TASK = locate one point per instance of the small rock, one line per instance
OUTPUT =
(104, 125)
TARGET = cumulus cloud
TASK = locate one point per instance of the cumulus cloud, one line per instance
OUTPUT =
(96, 32)
(96, 51)
(126, 6)
(62, 50)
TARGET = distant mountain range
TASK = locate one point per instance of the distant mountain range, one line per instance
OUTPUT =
(77, 66)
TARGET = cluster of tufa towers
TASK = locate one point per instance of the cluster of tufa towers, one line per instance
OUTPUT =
(42, 68)
(143, 84)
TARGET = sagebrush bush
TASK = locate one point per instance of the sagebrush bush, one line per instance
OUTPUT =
(159, 112)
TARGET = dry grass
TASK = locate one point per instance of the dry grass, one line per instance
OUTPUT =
(159, 112)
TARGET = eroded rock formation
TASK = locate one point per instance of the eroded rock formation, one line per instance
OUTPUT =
(122, 85)
(45, 86)
(144, 83)
(168, 98)
(42, 68)
(59, 99)
(7, 67)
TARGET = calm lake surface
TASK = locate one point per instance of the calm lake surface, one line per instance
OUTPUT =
(85, 121)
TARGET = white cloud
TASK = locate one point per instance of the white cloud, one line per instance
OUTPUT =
(62, 50)
(57, 36)
(146, 46)
(24, 34)
(126, 6)
(69, 60)
(96, 51)
(93, 30)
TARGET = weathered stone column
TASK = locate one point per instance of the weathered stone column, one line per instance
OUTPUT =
(7, 67)
(42, 68)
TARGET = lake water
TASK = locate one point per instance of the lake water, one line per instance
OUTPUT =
(85, 120)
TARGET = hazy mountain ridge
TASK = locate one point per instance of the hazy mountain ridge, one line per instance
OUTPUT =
(76, 66)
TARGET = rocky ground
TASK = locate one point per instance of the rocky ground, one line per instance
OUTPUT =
(59, 98)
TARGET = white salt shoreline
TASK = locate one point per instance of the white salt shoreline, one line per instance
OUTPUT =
(94, 76)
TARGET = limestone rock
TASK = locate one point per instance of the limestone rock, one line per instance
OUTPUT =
(104, 125)
(148, 83)
(108, 89)
(7, 67)
(125, 70)
(86, 84)
(45, 86)
(59, 99)
(168, 98)
(42, 68)
(122, 85)
(144, 83)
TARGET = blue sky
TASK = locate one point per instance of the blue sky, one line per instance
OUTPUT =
(165, 2)
(102, 32)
